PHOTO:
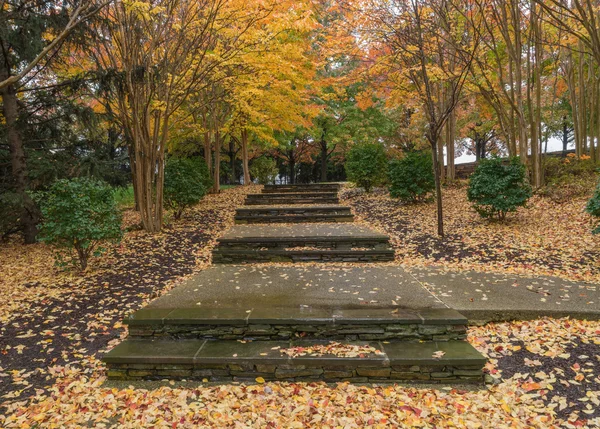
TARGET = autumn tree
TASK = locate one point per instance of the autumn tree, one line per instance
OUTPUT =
(425, 51)
(159, 53)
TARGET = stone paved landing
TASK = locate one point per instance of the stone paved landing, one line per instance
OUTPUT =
(300, 287)
(492, 296)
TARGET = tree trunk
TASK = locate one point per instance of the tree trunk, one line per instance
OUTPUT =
(438, 186)
(565, 137)
(245, 162)
(450, 153)
(323, 160)
(292, 169)
(217, 169)
(29, 212)
(207, 151)
(440, 159)
(232, 161)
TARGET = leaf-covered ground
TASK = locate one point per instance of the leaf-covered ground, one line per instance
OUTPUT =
(53, 318)
(56, 327)
(548, 372)
(545, 238)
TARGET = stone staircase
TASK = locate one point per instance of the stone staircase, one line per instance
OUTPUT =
(293, 214)
(292, 198)
(238, 322)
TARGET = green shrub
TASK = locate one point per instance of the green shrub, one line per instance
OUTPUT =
(497, 188)
(593, 208)
(366, 165)
(264, 169)
(411, 178)
(187, 180)
(79, 214)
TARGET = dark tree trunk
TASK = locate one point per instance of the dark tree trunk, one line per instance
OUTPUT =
(565, 139)
(217, 167)
(324, 156)
(245, 166)
(292, 167)
(438, 187)
(10, 111)
(232, 161)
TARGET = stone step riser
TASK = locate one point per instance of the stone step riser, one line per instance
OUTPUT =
(241, 257)
(248, 372)
(298, 244)
(217, 360)
(272, 332)
(298, 190)
(268, 189)
(315, 210)
(310, 218)
(270, 195)
(292, 200)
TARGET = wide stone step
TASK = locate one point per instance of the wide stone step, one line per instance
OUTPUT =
(296, 360)
(293, 198)
(302, 243)
(277, 323)
(313, 187)
(284, 214)
(299, 256)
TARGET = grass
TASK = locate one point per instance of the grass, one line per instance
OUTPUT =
(124, 197)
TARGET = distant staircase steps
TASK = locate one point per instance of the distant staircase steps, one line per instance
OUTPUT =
(298, 188)
(293, 198)
(291, 214)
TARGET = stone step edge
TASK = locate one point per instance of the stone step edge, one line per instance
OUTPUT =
(333, 207)
(304, 185)
(243, 257)
(269, 195)
(304, 201)
(228, 360)
(325, 218)
(296, 316)
(307, 238)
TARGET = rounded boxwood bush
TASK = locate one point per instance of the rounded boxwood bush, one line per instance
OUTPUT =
(264, 169)
(593, 208)
(187, 180)
(78, 215)
(497, 188)
(366, 165)
(411, 178)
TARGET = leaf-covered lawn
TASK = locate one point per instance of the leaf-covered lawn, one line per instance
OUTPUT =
(55, 328)
(545, 238)
(52, 318)
(545, 381)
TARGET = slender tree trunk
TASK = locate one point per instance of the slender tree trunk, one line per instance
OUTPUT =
(450, 153)
(324, 156)
(438, 186)
(245, 162)
(292, 168)
(232, 161)
(10, 110)
(565, 137)
(217, 168)
(512, 146)
(208, 151)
